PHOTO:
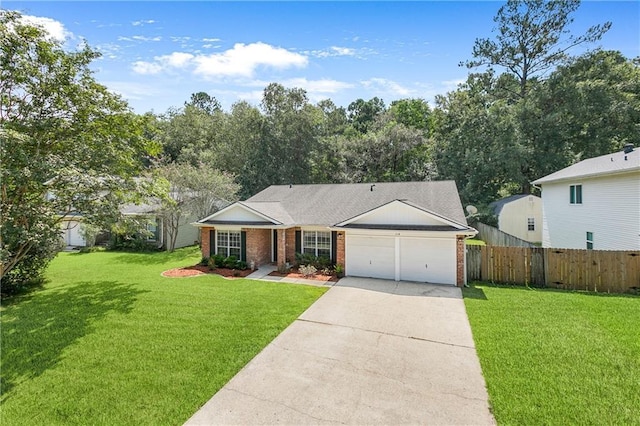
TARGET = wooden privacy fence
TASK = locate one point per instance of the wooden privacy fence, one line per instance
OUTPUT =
(591, 270)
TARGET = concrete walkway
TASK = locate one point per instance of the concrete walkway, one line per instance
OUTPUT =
(367, 352)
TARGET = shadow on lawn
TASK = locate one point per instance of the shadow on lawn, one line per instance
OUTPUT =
(36, 330)
(473, 292)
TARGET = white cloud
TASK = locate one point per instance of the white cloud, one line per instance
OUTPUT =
(129, 90)
(387, 86)
(343, 51)
(146, 68)
(243, 59)
(176, 59)
(449, 85)
(143, 22)
(56, 29)
(317, 86)
(334, 51)
(211, 39)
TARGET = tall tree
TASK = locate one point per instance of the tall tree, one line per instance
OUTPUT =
(193, 191)
(532, 38)
(362, 114)
(67, 145)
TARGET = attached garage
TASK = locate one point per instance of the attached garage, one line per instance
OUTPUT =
(402, 257)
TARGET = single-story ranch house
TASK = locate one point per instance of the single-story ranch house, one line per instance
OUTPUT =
(410, 231)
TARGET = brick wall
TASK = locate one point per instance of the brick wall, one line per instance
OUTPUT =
(460, 264)
(281, 244)
(290, 252)
(340, 248)
(258, 246)
(204, 241)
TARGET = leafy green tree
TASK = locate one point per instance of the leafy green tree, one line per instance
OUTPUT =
(192, 191)
(362, 114)
(414, 113)
(67, 145)
(532, 38)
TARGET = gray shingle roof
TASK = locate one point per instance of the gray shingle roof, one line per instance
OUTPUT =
(603, 165)
(329, 204)
(497, 206)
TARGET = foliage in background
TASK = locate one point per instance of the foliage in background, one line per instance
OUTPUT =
(68, 145)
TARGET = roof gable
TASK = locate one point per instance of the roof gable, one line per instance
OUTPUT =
(239, 213)
(399, 213)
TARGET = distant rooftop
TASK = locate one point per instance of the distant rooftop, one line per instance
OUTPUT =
(609, 164)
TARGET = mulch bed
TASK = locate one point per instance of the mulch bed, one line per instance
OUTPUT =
(295, 274)
(193, 271)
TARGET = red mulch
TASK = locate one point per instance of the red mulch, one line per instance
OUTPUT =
(295, 274)
(192, 271)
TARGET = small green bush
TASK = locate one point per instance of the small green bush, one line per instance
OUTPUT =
(231, 262)
(319, 262)
(216, 261)
(241, 264)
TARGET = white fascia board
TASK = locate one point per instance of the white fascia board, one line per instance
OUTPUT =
(426, 212)
(241, 205)
(470, 232)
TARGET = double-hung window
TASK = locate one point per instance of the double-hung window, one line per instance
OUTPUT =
(317, 243)
(531, 224)
(152, 229)
(228, 243)
(589, 240)
(575, 194)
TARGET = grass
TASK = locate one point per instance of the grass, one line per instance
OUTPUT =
(110, 341)
(555, 357)
(474, 242)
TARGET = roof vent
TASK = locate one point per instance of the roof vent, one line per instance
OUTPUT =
(372, 186)
(628, 148)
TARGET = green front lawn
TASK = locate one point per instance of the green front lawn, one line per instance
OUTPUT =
(109, 341)
(557, 357)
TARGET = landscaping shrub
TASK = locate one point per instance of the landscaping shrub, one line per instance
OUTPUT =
(216, 261)
(307, 270)
(231, 262)
(241, 264)
(319, 262)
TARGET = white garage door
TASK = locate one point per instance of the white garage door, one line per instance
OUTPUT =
(371, 256)
(431, 260)
(428, 260)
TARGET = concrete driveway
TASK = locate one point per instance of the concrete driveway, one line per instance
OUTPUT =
(367, 352)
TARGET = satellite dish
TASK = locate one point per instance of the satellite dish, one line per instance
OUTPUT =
(472, 209)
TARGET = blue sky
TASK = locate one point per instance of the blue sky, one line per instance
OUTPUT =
(155, 54)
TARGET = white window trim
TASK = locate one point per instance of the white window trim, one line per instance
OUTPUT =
(316, 241)
(228, 247)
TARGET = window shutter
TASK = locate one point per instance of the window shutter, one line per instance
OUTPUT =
(243, 245)
(334, 246)
(298, 241)
(212, 242)
(275, 245)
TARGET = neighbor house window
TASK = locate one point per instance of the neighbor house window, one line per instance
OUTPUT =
(228, 243)
(317, 243)
(575, 194)
(531, 224)
(152, 229)
(589, 240)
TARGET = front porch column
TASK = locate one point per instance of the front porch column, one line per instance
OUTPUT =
(282, 246)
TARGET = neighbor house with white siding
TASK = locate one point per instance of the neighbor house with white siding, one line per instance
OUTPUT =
(593, 204)
(520, 215)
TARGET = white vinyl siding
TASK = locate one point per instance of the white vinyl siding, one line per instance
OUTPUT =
(515, 218)
(611, 212)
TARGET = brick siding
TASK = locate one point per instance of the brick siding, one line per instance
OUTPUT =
(204, 241)
(460, 264)
(258, 246)
(340, 249)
